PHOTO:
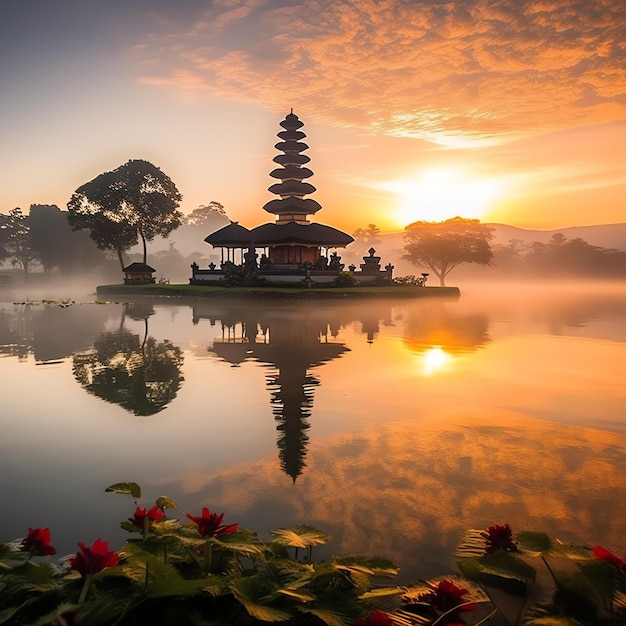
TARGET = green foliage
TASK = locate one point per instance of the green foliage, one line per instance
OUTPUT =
(345, 279)
(171, 574)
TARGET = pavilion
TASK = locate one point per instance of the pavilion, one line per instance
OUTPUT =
(293, 249)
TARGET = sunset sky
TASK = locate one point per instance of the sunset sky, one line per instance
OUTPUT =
(512, 111)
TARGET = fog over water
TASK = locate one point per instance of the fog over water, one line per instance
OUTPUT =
(393, 425)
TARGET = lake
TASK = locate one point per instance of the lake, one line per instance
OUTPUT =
(393, 425)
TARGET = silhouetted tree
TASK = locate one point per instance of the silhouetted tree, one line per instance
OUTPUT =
(442, 246)
(15, 240)
(368, 236)
(57, 245)
(136, 200)
(207, 213)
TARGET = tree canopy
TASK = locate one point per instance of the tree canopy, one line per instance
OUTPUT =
(136, 200)
(15, 241)
(442, 246)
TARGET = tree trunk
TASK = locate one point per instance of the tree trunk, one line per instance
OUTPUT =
(120, 257)
(145, 249)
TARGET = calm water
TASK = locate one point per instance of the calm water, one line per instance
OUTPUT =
(392, 425)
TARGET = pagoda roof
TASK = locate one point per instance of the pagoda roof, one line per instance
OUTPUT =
(292, 204)
(291, 146)
(291, 134)
(232, 235)
(291, 172)
(304, 234)
(292, 121)
(292, 187)
(291, 159)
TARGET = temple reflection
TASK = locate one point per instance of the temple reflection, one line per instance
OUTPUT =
(290, 341)
(137, 373)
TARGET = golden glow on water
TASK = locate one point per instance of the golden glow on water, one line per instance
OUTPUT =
(434, 360)
(393, 425)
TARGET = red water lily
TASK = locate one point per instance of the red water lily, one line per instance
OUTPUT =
(377, 618)
(604, 554)
(155, 514)
(210, 524)
(93, 560)
(447, 596)
(37, 542)
(499, 537)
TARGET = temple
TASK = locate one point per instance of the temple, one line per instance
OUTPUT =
(292, 249)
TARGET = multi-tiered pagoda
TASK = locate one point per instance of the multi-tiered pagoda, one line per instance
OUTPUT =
(292, 249)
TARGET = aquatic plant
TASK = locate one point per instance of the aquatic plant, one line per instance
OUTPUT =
(208, 573)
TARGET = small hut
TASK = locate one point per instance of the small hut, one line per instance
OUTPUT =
(138, 274)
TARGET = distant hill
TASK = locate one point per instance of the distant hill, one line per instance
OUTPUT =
(603, 235)
(391, 246)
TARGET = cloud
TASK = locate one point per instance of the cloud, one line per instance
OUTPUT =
(478, 69)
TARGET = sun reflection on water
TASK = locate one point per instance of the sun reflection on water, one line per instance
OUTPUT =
(434, 360)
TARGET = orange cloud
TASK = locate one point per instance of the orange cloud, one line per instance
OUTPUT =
(474, 69)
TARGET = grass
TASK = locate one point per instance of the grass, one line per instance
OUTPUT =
(268, 292)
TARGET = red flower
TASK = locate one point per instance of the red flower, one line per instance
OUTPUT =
(210, 524)
(377, 618)
(37, 542)
(446, 596)
(499, 537)
(604, 554)
(93, 560)
(154, 515)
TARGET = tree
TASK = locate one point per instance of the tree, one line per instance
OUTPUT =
(369, 235)
(15, 240)
(207, 213)
(136, 200)
(58, 246)
(441, 246)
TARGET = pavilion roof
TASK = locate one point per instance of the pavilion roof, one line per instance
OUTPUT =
(304, 234)
(232, 235)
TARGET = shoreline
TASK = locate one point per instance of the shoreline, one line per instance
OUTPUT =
(280, 293)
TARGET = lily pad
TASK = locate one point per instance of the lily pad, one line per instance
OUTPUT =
(132, 489)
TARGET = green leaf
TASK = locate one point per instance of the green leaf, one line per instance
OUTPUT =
(534, 542)
(603, 578)
(10, 558)
(328, 616)
(303, 596)
(163, 502)
(381, 592)
(472, 544)
(373, 566)
(132, 489)
(500, 570)
(299, 537)
(247, 592)
(572, 551)
(131, 528)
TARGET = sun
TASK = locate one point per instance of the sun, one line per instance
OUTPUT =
(438, 194)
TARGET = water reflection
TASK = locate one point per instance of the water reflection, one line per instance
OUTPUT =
(436, 328)
(137, 373)
(290, 341)
(43, 330)
(404, 422)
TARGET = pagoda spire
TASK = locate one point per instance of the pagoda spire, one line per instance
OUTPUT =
(292, 206)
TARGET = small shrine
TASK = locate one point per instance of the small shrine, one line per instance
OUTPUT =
(292, 249)
(138, 274)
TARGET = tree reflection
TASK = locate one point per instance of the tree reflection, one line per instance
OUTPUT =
(139, 374)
